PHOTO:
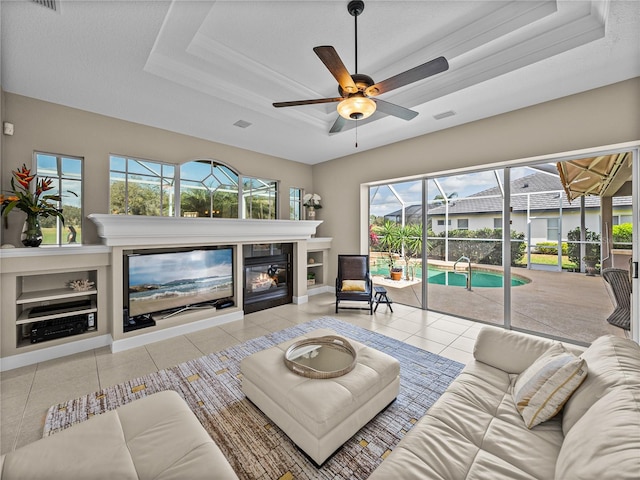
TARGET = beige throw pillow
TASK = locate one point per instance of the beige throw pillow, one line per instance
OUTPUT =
(543, 388)
(353, 286)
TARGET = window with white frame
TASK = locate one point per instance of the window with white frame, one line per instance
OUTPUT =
(208, 189)
(497, 223)
(552, 229)
(141, 187)
(620, 219)
(295, 203)
(463, 224)
(65, 172)
(259, 198)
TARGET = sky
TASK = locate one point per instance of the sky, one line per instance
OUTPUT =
(462, 186)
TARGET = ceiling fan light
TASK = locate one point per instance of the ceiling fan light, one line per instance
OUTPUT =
(357, 107)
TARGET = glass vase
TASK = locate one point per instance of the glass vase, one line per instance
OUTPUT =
(31, 232)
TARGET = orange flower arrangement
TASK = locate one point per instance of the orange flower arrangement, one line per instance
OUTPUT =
(34, 204)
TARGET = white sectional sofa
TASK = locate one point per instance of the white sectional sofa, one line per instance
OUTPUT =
(157, 437)
(475, 432)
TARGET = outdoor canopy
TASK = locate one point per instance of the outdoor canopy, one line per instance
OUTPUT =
(592, 176)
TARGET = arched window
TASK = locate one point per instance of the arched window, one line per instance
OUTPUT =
(208, 189)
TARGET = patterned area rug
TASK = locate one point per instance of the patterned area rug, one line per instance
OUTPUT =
(256, 448)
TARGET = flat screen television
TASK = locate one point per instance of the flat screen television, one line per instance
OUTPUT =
(171, 281)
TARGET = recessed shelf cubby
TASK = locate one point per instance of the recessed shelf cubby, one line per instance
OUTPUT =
(47, 308)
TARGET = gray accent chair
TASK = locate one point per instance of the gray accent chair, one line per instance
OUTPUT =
(618, 286)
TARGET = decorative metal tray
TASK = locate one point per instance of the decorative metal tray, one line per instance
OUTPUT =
(322, 357)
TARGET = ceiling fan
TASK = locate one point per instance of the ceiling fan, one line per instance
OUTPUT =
(358, 91)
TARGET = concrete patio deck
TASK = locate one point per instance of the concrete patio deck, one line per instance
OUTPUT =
(562, 304)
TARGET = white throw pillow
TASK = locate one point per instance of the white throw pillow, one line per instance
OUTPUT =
(543, 388)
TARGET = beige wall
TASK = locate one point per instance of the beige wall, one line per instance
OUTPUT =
(47, 127)
(600, 117)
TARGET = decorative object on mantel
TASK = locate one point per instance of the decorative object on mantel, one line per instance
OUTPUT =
(312, 202)
(83, 285)
(34, 204)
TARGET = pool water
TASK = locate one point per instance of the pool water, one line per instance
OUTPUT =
(444, 277)
(478, 279)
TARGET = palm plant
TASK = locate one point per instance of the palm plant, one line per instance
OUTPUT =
(412, 235)
(390, 241)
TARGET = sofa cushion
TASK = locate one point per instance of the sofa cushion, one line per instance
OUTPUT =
(612, 362)
(507, 350)
(605, 441)
(474, 432)
(543, 388)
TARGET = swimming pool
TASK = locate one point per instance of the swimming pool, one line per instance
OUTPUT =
(479, 279)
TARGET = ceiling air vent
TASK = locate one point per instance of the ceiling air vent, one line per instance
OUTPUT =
(442, 115)
(242, 124)
(50, 4)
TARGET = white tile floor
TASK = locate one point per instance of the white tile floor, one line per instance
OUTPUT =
(26, 393)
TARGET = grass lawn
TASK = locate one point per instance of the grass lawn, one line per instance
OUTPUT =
(49, 236)
(548, 260)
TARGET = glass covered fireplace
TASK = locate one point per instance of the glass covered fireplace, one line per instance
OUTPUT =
(268, 275)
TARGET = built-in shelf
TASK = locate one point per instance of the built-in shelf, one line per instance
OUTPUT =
(25, 316)
(39, 277)
(316, 265)
(53, 294)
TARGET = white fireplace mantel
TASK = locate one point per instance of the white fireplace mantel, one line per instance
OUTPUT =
(133, 230)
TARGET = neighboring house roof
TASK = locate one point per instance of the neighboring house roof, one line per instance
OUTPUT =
(490, 200)
(413, 214)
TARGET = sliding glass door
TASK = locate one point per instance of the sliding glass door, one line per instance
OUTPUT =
(522, 246)
(395, 240)
(464, 246)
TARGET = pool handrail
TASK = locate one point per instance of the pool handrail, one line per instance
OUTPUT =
(466, 259)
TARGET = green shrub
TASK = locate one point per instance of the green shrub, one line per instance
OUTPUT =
(622, 233)
(482, 250)
(591, 249)
(550, 248)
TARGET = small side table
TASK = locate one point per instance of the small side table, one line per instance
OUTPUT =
(381, 297)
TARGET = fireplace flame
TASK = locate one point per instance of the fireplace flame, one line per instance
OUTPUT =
(262, 282)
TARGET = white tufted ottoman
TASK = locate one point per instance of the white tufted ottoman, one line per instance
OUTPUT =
(319, 415)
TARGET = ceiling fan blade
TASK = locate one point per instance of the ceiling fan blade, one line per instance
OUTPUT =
(338, 125)
(420, 72)
(295, 103)
(332, 61)
(395, 110)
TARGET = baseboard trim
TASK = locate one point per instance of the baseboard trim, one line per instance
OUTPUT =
(166, 333)
(50, 353)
